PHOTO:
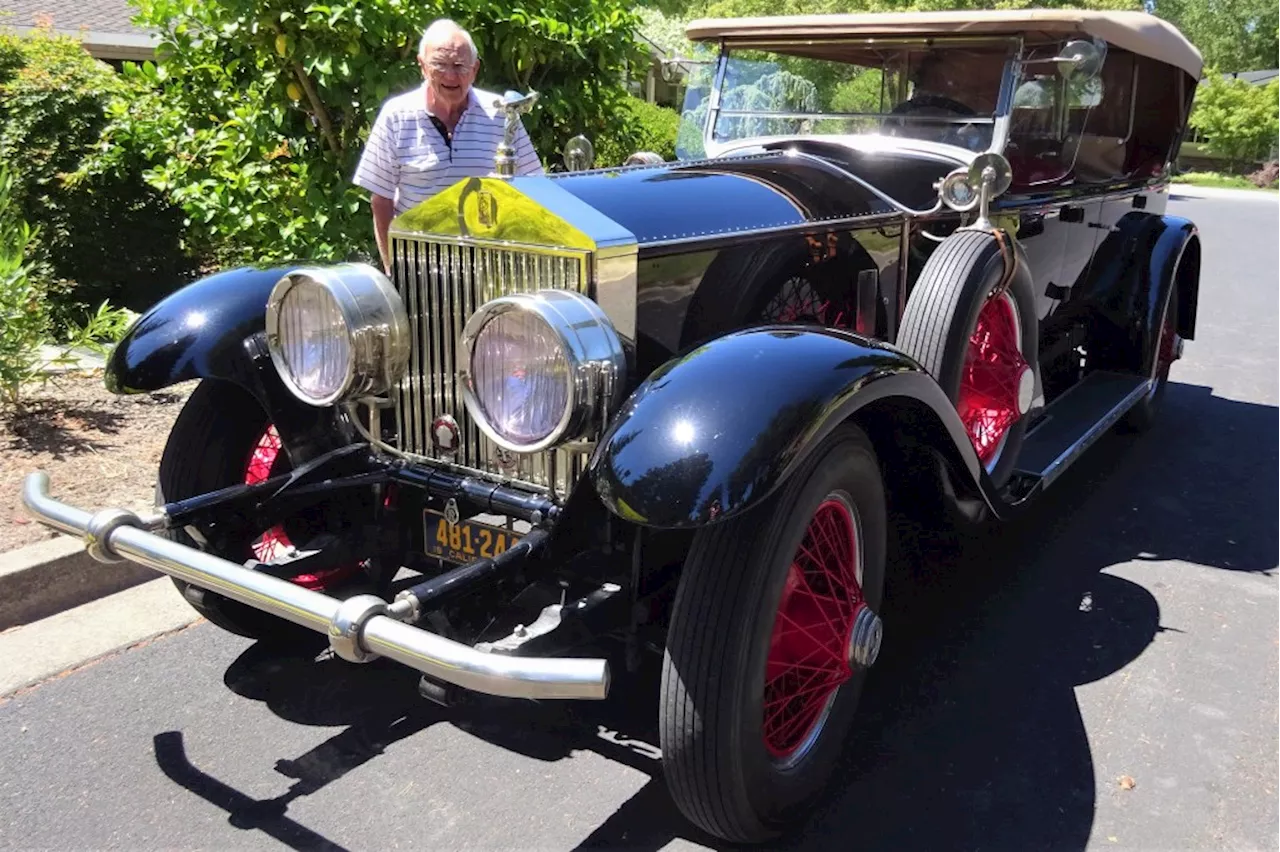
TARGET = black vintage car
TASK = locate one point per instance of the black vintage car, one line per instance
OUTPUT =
(676, 408)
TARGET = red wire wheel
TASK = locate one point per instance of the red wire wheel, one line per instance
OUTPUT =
(996, 381)
(268, 459)
(971, 323)
(812, 632)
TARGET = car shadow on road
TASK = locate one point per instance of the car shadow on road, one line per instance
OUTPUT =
(969, 736)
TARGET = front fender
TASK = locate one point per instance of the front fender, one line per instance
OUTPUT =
(214, 328)
(197, 332)
(712, 433)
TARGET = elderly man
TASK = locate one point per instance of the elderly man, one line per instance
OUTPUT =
(427, 139)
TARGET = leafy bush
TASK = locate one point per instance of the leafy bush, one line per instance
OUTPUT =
(639, 126)
(24, 319)
(101, 237)
(258, 113)
(1239, 121)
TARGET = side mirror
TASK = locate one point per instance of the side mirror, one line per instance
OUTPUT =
(579, 154)
(1080, 59)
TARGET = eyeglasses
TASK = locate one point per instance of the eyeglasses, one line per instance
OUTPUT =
(458, 68)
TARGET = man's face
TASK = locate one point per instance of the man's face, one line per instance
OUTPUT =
(449, 71)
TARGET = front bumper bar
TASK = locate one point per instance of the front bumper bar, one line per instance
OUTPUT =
(358, 628)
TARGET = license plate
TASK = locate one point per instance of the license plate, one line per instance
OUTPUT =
(464, 541)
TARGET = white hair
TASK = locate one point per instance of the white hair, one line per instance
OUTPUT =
(442, 27)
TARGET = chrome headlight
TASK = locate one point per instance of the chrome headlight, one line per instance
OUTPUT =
(959, 192)
(337, 333)
(540, 368)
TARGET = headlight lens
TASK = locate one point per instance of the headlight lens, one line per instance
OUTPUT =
(337, 333)
(315, 344)
(521, 377)
(541, 368)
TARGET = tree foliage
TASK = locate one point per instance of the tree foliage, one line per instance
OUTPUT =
(97, 235)
(256, 117)
(1240, 121)
(1232, 35)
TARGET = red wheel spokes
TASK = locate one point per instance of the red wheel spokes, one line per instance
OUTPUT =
(991, 376)
(808, 648)
(275, 543)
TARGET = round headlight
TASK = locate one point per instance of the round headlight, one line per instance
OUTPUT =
(958, 191)
(337, 333)
(540, 368)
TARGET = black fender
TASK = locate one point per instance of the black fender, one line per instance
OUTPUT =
(214, 328)
(712, 433)
(1134, 269)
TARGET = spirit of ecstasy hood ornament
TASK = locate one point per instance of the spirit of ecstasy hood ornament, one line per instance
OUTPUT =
(512, 105)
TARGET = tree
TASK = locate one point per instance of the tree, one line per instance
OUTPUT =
(1232, 35)
(1239, 121)
(255, 119)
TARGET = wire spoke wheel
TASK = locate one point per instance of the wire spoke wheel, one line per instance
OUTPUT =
(808, 657)
(266, 460)
(995, 380)
(799, 301)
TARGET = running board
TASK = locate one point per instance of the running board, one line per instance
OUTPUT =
(1071, 424)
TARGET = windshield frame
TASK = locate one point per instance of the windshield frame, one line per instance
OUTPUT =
(729, 49)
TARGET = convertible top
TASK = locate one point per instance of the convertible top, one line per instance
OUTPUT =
(1138, 32)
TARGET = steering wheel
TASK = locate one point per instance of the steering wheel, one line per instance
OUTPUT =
(954, 135)
(928, 101)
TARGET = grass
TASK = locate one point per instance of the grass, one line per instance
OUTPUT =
(1218, 179)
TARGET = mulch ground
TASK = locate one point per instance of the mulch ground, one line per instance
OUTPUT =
(100, 450)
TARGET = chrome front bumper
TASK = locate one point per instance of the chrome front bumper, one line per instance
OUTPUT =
(358, 628)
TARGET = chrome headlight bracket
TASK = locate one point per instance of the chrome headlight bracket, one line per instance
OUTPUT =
(376, 325)
(591, 347)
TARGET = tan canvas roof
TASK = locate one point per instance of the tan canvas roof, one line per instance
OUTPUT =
(1138, 32)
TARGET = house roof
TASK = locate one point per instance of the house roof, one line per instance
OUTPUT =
(1256, 78)
(103, 26)
(1139, 32)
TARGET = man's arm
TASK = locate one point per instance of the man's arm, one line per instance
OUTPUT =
(379, 172)
(383, 211)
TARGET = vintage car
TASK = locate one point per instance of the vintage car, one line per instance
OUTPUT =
(677, 409)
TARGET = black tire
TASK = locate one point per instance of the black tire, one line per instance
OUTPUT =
(711, 717)
(209, 448)
(942, 312)
(1143, 415)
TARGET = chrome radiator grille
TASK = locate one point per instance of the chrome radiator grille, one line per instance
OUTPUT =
(442, 284)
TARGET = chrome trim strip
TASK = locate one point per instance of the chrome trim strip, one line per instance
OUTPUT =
(1071, 453)
(429, 653)
(781, 230)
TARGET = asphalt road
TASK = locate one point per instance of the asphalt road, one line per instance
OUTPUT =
(1128, 627)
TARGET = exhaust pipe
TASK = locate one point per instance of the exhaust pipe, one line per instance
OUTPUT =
(358, 628)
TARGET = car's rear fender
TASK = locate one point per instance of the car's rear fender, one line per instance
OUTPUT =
(214, 329)
(1134, 268)
(712, 433)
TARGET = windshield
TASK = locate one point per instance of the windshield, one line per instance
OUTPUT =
(939, 92)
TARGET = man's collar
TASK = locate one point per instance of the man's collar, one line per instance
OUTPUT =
(472, 101)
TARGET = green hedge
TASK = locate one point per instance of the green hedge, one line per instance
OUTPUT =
(640, 126)
(104, 236)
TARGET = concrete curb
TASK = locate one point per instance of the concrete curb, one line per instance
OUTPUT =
(53, 576)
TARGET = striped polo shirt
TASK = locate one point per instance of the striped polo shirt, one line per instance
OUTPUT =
(408, 160)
